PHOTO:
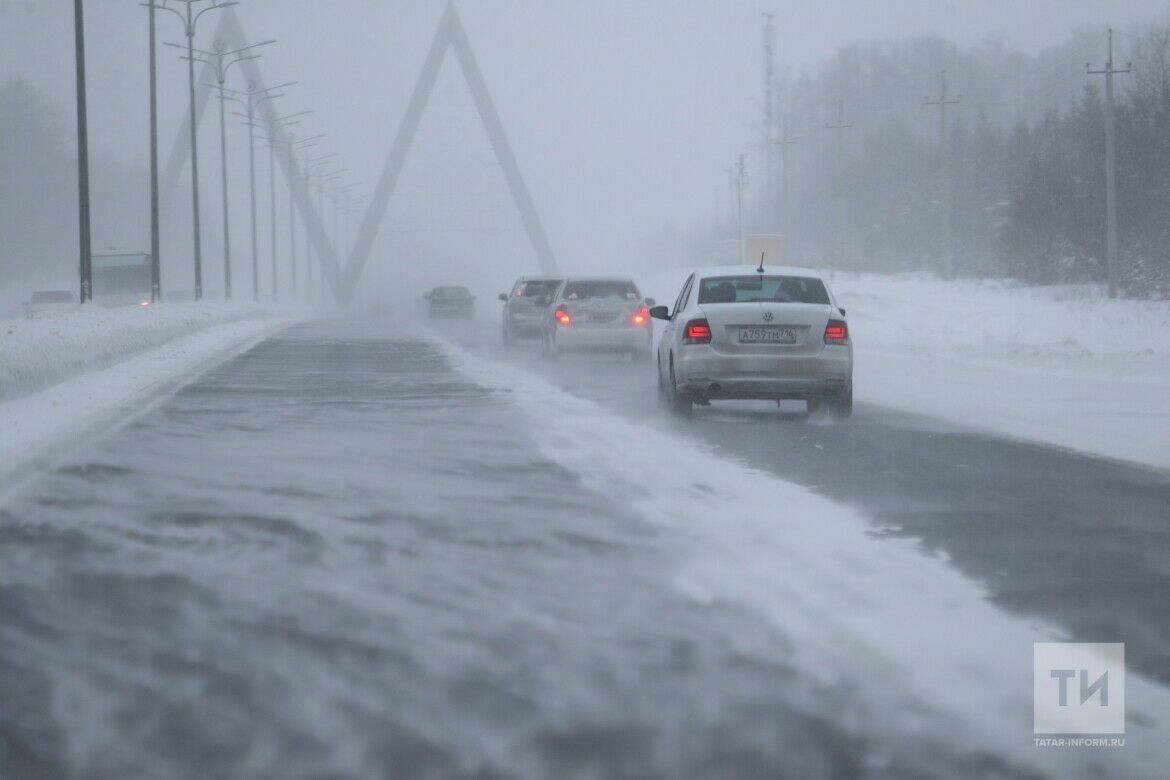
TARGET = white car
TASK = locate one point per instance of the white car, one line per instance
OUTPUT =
(598, 314)
(753, 333)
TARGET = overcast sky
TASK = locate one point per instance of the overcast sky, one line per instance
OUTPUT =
(623, 113)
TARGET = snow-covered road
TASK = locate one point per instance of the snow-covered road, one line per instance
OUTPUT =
(347, 552)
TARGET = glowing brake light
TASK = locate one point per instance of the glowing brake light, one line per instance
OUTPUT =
(836, 332)
(641, 315)
(697, 332)
(562, 316)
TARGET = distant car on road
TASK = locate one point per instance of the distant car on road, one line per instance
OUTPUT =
(598, 314)
(450, 302)
(747, 333)
(526, 307)
(42, 300)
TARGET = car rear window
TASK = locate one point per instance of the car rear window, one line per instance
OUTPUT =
(451, 292)
(600, 288)
(51, 296)
(535, 289)
(756, 289)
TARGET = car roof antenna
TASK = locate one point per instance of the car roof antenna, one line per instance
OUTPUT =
(760, 270)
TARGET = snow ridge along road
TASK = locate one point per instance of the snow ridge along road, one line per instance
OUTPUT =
(852, 606)
(36, 429)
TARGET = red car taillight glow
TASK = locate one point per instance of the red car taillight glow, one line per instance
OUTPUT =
(697, 332)
(836, 332)
(563, 317)
(641, 315)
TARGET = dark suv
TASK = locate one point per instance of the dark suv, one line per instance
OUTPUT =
(526, 307)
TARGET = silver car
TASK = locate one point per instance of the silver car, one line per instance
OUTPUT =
(599, 314)
(746, 333)
(526, 307)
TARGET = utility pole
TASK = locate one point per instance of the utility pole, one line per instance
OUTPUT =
(840, 126)
(944, 145)
(1110, 168)
(785, 141)
(85, 267)
(155, 243)
(769, 116)
(738, 179)
(190, 21)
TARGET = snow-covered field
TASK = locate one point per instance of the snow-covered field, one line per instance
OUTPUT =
(1061, 366)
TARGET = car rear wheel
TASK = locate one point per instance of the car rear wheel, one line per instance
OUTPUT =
(841, 408)
(680, 404)
(548, 347)
(509, 339)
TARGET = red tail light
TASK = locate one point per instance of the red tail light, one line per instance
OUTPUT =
(836, 332)
(641, 315)
(697, 332)
(563, 317)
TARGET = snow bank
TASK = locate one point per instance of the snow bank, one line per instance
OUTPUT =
(1057, 365)
(917, 648)
(53, 345)
(35, 429)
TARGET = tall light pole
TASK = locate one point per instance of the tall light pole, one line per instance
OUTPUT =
(85, 268)
(250, 100)
(293, 146)
(1110, 169)
(738, 179)
(190, 21)
(155, 243)
(839, 177)
(275, 124)
(221, 61)
(309, 166)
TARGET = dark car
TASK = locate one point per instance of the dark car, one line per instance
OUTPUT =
(450, 302)
(526, 307)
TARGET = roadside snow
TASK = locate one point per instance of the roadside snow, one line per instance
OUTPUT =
(37, 351)
(1057, 365)
(146, 356)
(918, 648)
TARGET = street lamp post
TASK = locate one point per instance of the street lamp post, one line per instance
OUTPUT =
(221, 61)
(190, 20)
(293, 146)
(155, 242)
(250, 100)
(309, 163)
(275, 125)
(86, 261)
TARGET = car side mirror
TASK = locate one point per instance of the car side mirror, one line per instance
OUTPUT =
(649, 301)
(842, 310)
(660, 312)
(503, 297)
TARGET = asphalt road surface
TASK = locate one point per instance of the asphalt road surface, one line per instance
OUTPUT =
(334, 556)
(1079, 541)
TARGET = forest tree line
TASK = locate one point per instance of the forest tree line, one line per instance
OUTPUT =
(1027, 153)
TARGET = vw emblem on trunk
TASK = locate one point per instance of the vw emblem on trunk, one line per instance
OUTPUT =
(767, 316)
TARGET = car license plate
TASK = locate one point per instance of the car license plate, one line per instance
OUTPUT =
(767, 335)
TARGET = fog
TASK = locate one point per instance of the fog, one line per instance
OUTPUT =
(624, 116)
(878, 505)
